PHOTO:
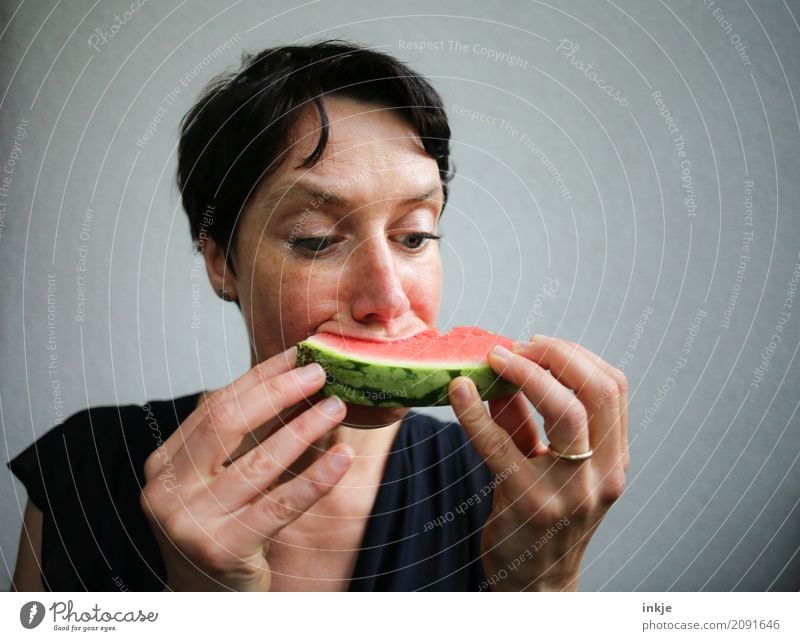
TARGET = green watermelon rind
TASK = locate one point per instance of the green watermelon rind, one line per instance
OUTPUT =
(363, 382)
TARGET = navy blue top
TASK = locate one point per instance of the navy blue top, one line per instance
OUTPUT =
(86, 476)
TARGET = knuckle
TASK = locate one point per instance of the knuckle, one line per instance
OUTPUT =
(575, 415)
(607, 389)
(151, 466)
(529, 372)
(566, 345)
(179, 531)
(534, 506)
(211, 555)
(304, 428)
(280, 508)
(177, 524)
(555, 347)
(260, 373)
(621, 379)
(473, 413)
(220, 416)
(582, 511)
(271, 385)
(147, 500)
(217, 396)
(612, 488)
(567, 349)
(498, 444)
(318, 485)
(154, 500)
(580, 496)
(259, 464)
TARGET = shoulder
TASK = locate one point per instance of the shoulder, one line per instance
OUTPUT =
(96, 440)
(136, 428)
(86, 475)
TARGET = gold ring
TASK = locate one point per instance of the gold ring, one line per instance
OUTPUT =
(569, 457)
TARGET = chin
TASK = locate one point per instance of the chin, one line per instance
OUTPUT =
(366, 418)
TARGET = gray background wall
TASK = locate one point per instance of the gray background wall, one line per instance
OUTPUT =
(556, 180)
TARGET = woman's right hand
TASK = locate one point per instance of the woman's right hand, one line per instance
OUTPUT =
(215, 519)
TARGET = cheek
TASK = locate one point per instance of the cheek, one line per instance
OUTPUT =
(424, 291)
(297, 301)
(274, 307)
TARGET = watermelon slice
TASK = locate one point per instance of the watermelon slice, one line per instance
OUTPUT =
(414, 372)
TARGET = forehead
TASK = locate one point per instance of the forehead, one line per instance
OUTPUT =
(369, 147)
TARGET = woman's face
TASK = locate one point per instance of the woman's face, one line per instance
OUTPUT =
(342, 246)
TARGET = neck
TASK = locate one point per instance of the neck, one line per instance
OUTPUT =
(370, 446)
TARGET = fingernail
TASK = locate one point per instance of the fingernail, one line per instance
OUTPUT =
(462, 392)
(501, 354)
(538, 337)
(341, 459)
(332, 406)
(517, 346)
(311, 372)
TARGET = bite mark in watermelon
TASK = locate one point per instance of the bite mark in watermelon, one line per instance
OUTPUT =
(415, 372)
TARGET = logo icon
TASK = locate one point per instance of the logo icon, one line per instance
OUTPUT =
(31, 614)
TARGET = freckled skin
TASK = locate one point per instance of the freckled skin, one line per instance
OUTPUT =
(369, 283)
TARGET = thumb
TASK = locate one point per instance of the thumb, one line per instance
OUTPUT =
(490, 440)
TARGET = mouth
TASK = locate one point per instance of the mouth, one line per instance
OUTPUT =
(374, 338)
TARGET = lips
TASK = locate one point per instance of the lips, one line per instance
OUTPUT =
(367, 337)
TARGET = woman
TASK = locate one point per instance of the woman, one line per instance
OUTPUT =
(314, 180)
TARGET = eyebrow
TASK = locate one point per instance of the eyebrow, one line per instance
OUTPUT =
(316, 193)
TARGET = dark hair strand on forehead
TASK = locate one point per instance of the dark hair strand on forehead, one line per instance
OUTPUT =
(238, 131)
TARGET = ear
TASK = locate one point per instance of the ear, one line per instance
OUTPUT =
(219, 272)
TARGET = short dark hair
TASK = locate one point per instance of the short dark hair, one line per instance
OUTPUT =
(237, 133)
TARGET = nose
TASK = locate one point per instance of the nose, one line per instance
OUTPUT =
(376, 289)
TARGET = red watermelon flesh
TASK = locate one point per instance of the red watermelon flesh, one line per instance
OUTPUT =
(406, 373)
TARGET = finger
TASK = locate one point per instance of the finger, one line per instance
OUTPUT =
(514, 415)
(265, 370)
(565, 419)
(210, 445)
(250, 476)
(490, 440)
(258, 522)
(622, 386)
(597, 391)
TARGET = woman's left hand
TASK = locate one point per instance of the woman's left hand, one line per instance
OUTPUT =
(545, 509)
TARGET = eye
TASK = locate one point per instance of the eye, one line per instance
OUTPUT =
(417, 240)
(311, 244)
